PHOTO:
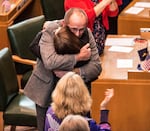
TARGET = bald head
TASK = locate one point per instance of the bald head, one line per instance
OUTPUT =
(77, 12)
(76, 19)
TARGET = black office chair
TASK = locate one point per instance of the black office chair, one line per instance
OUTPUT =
(53, 9)
(15, 108)
(20, 36)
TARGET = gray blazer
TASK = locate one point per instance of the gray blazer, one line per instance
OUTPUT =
(41, 83)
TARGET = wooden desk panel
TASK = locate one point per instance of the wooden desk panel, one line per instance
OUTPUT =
(135, 74)
(7, 19)
(130, 107)
(130, 24)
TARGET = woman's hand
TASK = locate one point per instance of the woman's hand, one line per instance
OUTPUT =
(109, 93)
(113, 6)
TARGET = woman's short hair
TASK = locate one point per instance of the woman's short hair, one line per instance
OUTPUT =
(74, 123)
(65, 42)
(71, 96)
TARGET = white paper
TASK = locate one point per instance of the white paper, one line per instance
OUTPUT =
(120, 49)
(142, 4)
(134, 10)
(119, 41)
(124, 63)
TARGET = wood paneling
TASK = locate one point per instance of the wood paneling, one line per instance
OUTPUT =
(29, 9)
(130, 24)
(130, 106)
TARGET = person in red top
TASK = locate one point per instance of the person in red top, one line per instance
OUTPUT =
(98, 12)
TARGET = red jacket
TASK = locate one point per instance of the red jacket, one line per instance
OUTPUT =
(88, 6)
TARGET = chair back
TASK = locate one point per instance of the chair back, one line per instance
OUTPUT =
(53, 9)
(20, 36)
(15, 108)
(8, 78)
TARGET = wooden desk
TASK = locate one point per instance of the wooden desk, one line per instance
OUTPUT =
(130, 24)
(130, 107)
(7, 19)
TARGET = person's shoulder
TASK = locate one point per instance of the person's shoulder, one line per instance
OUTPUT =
(54, 24)
(89, 31)
(103, 126)
(90, 120)
(50, 110)
(53, 121)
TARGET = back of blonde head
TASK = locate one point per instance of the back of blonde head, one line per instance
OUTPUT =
(74, 123)
(71, 96)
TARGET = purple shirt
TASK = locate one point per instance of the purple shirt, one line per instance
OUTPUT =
(52, 122)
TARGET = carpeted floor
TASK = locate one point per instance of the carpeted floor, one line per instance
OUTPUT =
(21, 128)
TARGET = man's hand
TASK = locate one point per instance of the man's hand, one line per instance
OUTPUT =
(85, 53)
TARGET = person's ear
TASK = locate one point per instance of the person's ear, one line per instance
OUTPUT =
(63, 23)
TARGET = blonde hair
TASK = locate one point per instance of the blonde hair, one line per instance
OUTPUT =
(71, 96)
(74, 123)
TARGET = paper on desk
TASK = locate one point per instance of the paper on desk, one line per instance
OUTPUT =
(119, 41)
(124, 63)
(120, 49)
(134, 10)
(142, 4)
